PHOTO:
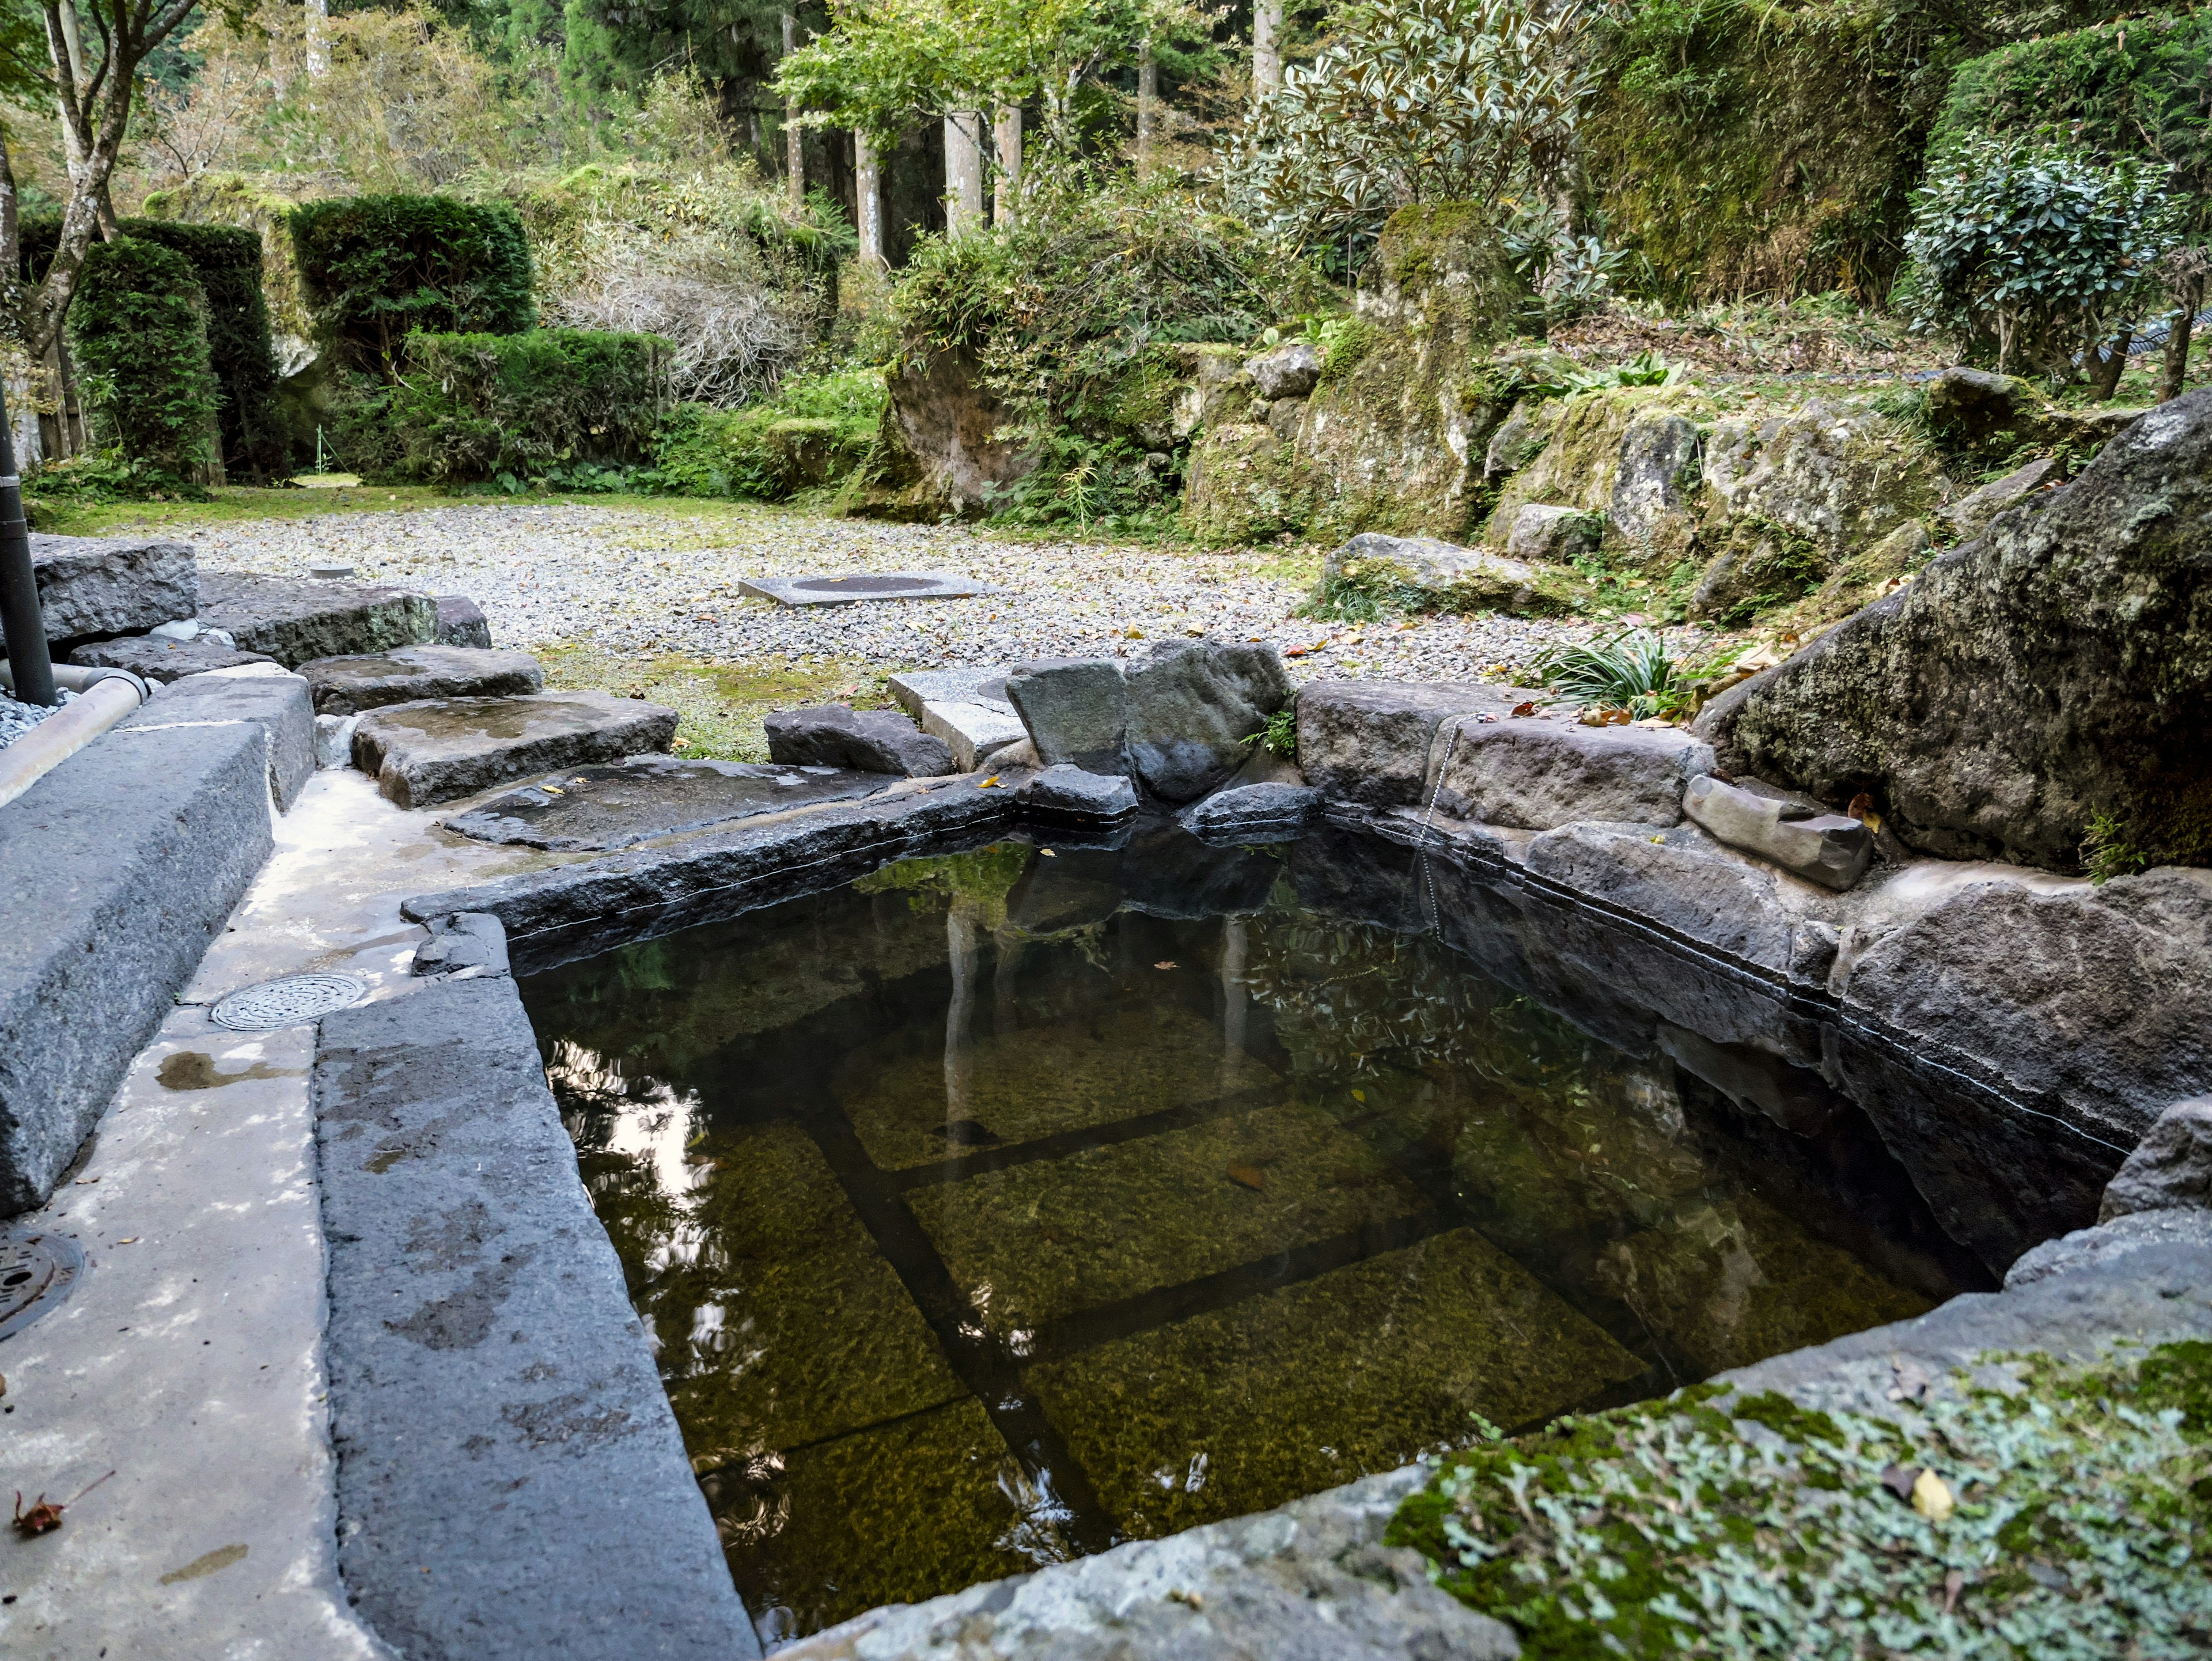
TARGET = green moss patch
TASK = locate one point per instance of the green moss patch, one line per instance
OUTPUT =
(721, 704)
(2081, 1523)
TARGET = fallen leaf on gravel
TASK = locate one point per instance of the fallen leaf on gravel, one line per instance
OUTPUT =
(1931, 1497)
(1528, 708)
(1245, 1176)
(1165, 963)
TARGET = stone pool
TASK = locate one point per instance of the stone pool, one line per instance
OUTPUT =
(1002, 1206)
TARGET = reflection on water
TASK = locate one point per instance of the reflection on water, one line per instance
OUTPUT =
(1005, 1206)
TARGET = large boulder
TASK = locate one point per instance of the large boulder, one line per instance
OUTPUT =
(1366, 742)
(1841, 476)
(111, 585)
(2056, 670)
(1076, 710)
(865, 741)
(1655, 485)
(1976, 409)
(1536, 774)
(2171, 1167)
(1428, 575)
(1290, 370)
(1244, 484)
(1574, 447)
(944, 425)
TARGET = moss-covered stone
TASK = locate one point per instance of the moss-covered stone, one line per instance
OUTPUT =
(1576, 443)
(1245, 485)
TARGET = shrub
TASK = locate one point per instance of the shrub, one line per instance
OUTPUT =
(378, 268)
(814, 432)
(138, 330)
(2043, 247)
(226, 261)
(467, 408)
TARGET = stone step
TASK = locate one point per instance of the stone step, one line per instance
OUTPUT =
(966, 707)
(410, 674)
(421, 754)
(111, 585)
(262, 693)
(157, 658)
(296, 620)
(614, 806)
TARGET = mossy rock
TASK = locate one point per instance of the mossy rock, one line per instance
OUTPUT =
(1576, 443)
(1245, 485)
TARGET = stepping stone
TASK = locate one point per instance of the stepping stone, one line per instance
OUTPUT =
(425, 753)
(1254, 812)
(112, 586)
(461, 622)
(866, 740)
(853, 586)
(966, 708)
(261, 692)
(158, 659)
(1067, 795)
(409, 674)
(613, 806)
(296, 620)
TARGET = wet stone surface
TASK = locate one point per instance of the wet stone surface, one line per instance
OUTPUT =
(1006, 1206)
(646, 796)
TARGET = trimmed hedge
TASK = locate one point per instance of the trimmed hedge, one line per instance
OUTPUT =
(376, 269)
(227, 260)
(465, 408)
(2141, 86)
(138, 330)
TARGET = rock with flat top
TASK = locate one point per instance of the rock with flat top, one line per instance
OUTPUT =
(421, 754)
(296, 620)
(1065, 795)
(865, 741)
(654, 795)
(461, 622)
(1823, 847)
(1429, 575)
(1537, 774)
(2171, 1167)
(1970, 514)
(409, 674)
(1254, 812)
(111, 585)
(1555, 536)
(155, 657)
(1366, 742)
(259, 692)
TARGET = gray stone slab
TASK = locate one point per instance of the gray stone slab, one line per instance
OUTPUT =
(1254, 812)
(848, 588)
(111, 585)
(1076, 709)
(298, 619)
(512, 1485)
(1537, 774)
(155, 657)
(425, 753)
(1066, 794)
(553, 917)
(116, 870)
(1366, 742)
(409, 674)
(967, 683)
(973, 732)
(262, 693)
(461, 622)
(654, 796)
(869, 740)
(1827, 849)
(1310, 1581)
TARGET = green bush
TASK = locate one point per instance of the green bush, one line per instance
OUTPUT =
(138, 330)
(376, 269)
(2141, 86)
(227, 262)
(471, 408)
(814, 431)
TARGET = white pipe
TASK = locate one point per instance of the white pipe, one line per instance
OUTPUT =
(65, 733)
(72, 677)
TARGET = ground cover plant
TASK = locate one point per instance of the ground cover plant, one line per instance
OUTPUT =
(2066, 1514)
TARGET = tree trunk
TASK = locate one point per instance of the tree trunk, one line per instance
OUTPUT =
(1006, 198)
(2176, 370)
(318, 41)
(794, 136)
(1266, 46)
(868, 194)
(963, 171)
(2109, 362)
(1148, 105)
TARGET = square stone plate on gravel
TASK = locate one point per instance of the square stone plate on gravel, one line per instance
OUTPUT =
(851, 586)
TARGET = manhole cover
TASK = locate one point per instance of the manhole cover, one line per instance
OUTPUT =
(867, 585)
(286, 1002)
(37, 1269)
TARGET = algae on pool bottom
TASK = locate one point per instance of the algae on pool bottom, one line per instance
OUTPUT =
(997, 1207)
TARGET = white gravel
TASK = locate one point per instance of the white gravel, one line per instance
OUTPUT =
(17, 719)
(641, 582)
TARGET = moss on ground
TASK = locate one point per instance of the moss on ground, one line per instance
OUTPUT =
(721, 704)
(2074, 1520)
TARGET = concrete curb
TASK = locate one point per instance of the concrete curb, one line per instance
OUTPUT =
(511, 1480)
(116, 869)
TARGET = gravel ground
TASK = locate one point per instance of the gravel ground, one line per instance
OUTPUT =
(634, 581)
(17, 719)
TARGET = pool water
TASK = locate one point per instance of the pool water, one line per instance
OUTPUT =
(1004, 1206)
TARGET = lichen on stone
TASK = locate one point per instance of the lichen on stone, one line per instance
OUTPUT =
(2079, 1521)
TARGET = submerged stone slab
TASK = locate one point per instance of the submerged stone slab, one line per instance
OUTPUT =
(617, 806)
(111, 585)
(850, 586)
(865, 741)
(155, 658)
(487, 1373)
(409, 674)
(425, 753)
(298, 619)
(1824, 848)
(261, 693)
(461, 622)
(1536, 774)
(1310, 1582)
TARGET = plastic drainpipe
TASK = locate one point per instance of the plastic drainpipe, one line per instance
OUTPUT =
(104, 697)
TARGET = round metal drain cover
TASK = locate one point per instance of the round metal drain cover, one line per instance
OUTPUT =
(286, 1002)
(37, 1269)
(865, 584)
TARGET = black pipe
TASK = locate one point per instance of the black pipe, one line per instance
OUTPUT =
(28, 660)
